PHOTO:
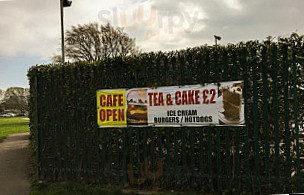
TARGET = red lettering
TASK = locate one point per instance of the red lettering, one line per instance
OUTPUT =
(184, 98)
(213, 92)
(114, 114)
(191, 96)
(155, 99)
(150, 98)
(177, 98)
(120, 100)
(109, 113)
(121, 114)
(197, 97)
(114, 99)
(102, 102)
(205, 96)
(161, 99)
(109, 101)
(168, 100)
(102, 115)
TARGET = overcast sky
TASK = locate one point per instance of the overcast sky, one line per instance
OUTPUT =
(30, 29)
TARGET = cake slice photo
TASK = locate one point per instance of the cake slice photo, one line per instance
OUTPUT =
(233, 106)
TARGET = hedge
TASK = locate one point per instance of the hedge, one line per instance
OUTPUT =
(263, 157)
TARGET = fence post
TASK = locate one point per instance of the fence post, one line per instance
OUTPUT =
(276, 114)
(296, 115)
(265, 112)
(246, 97)
(255, 121)
(286, 115)
(39, 144)
(209, 135)
(228, 130)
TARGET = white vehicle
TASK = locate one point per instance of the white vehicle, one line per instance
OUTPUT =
(9, 115)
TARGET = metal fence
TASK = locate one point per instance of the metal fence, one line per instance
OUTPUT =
(264, 156)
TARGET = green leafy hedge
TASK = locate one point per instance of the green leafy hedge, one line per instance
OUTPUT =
(264, 156)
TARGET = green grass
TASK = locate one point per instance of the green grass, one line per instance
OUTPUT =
(13, 125)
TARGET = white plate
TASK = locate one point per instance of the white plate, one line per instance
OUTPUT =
(223, 119)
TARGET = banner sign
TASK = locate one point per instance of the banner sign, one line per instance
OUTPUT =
(192, 105)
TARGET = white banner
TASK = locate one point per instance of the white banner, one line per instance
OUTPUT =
(193, 105)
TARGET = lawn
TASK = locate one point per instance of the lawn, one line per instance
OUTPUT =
(13, 125)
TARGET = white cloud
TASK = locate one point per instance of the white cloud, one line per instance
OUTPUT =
(234, 4)
(33, 26)
(29, 26)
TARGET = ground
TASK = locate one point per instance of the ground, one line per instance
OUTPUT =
(14, 165)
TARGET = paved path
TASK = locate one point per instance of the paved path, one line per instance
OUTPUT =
(14, 163)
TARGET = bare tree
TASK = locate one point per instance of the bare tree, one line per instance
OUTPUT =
(15, 98)
(91, 42)
(56, 59)
(1, 94)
